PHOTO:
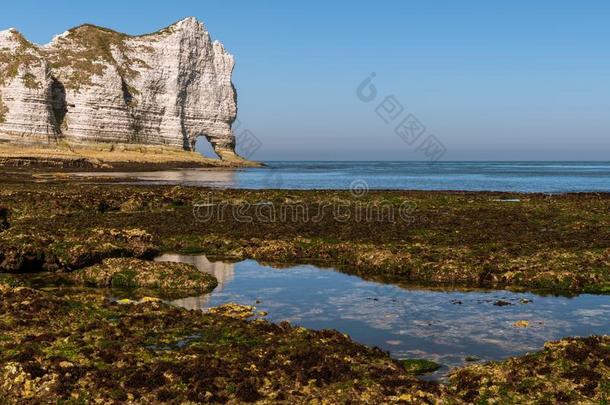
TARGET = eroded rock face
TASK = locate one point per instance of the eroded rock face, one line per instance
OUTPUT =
(25, 90)
(94, 85)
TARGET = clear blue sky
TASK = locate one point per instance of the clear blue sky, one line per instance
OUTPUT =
(518, 80)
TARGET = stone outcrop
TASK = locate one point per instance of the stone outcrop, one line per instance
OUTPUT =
(92, 85)
(163, 279)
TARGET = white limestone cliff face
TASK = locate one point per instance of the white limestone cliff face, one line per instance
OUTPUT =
(25, 89)
(95, 85)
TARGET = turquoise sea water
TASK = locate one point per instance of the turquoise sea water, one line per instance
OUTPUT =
(544, 177)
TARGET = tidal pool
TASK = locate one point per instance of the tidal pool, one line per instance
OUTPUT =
(448, 326)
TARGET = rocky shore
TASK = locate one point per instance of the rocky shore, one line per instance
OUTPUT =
(82, 348)
(557, 242)
(83, 345)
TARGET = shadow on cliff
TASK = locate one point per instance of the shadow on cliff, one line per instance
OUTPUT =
(58, 104)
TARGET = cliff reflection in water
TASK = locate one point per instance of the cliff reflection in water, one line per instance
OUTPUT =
(224, 273)
(189, 177)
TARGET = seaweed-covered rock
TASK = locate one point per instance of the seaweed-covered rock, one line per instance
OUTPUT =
(71, 225)
(233, 310)
(28, 249)
(571, 370)
(4, 224)
(169, 278)
(420, 366)
(84, 349)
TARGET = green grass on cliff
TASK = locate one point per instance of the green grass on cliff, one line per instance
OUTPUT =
(87, 50)
(25, 55)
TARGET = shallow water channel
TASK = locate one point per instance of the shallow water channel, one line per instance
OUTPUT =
(451, 327)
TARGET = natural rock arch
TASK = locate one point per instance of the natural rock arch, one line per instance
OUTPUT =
(95, 85)
(202, 144)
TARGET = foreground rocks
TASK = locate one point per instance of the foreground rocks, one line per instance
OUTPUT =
(573, 371)
(80, 347)
(84, 348)
(174, 280)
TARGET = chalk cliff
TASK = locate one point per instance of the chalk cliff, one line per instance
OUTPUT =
(92, 85)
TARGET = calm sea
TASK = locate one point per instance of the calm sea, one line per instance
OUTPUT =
(545, 177)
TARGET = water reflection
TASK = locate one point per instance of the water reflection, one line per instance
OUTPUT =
(224, 273)
(210, 178)
(442, 325)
